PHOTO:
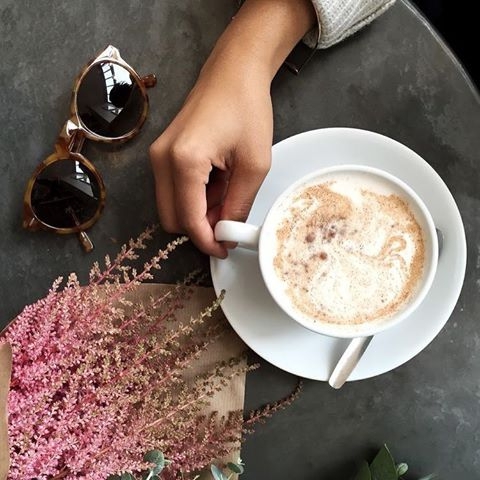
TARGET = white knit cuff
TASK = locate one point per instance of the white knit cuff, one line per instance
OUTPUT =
(337, 19)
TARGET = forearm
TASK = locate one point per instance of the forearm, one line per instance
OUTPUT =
(261, 36)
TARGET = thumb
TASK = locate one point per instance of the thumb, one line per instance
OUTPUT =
(246, 177)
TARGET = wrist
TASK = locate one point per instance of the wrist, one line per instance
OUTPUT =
(260, 37)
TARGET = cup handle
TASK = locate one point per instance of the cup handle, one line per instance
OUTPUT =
(348, 361)
(245, 234)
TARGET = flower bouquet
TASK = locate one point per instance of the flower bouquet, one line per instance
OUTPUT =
(99, 379)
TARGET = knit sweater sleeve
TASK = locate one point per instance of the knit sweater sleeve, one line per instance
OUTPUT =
(338, 19)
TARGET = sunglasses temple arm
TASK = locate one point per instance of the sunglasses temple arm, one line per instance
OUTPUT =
(84, 239)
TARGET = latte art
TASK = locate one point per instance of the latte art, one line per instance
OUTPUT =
(349, 250)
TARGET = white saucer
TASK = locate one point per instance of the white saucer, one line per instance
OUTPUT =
(276, 337)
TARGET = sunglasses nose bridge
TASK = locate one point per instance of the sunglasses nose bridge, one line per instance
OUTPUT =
(71, 138)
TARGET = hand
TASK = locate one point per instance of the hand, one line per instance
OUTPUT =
(211, 160)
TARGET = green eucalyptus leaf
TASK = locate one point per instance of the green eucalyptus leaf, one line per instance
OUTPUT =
(364, 472)
(235, 468)
(114, 477)
(217, 473)
(402, 469)
(156, 457)
(383, 466)
(127, 476)
(157, 469)
(152, 474)
(429, 477)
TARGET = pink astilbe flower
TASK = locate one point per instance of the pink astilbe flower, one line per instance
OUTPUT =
(98, 380)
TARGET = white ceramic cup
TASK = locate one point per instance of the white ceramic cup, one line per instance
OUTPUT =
(263, 239)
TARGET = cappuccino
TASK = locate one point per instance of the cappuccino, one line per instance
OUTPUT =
(349, 249)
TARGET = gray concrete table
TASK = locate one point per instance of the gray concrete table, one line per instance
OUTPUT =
(396, 77)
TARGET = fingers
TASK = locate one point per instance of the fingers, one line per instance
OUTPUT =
(217, 188)
(190, 178)
(180, 185)
(247, 175)
(191, 198)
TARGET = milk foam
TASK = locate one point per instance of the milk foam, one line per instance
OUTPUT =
(349, 249)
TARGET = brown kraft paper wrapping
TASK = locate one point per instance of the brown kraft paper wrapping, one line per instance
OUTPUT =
(5, 372)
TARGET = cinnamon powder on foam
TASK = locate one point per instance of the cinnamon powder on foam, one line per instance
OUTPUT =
(348, 259)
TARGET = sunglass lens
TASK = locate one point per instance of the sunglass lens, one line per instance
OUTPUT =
(65, 194)
(109, 100)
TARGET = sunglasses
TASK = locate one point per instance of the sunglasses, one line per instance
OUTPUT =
(66, 194)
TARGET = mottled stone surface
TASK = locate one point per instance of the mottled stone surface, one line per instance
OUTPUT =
(395, 77)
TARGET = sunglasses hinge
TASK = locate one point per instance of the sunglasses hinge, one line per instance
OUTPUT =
(31, 223)
(149, 81)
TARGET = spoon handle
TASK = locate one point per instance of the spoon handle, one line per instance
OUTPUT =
(351, 356)
(353, 353)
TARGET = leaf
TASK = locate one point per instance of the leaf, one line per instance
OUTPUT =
(235, 468)
(150, 475)
(364, 472)
(156, 457)
(127, 476)
(402, 469)
(217, 473)
(383, 466)
(429, 477)
(157, 469)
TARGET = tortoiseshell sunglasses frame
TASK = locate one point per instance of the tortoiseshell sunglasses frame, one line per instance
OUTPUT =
(70, 142)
